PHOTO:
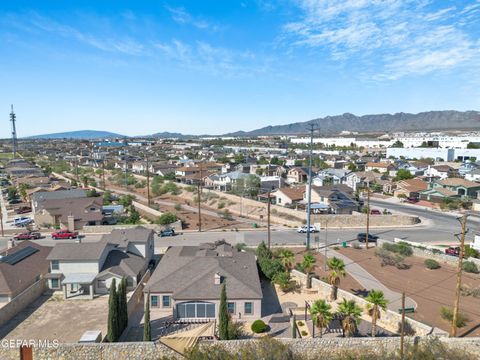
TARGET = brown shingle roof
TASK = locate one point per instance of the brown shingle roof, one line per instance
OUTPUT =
(458, 182)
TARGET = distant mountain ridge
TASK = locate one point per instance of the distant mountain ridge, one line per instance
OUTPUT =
(430, 120)
(80, 134)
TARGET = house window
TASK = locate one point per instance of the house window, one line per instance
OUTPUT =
(195, 310)
(231, 307)
(154, 301)
(166, 301)
(279, 200)
(129, 281)
(73, 287)
(55, 283)
(55, 265)
(101, 284)
(248, 308)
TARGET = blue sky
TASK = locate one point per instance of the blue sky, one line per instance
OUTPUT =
(139, 67)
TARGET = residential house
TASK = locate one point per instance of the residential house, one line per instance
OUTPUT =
(440, 172)
(20, 267)
(187, 283)
(410, 188)
(40, 197)
(288, 196)
(381, 167)
(362, 179)
(473, 175)
(330, 176)
(297, 175)
(451, 187)
(337, 199)
(87, 269)
(269, 183)
(70, 213)
(224, 182)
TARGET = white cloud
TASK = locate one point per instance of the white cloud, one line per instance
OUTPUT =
(181, 16)
(403, 37)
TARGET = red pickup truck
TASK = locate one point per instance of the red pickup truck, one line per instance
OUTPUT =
(453, 251)
(64, 234)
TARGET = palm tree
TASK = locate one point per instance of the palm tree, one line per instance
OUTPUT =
(350, 312)
(321, 314)
(337, 270)
(287, 258)
(308, 264)
(376, 301)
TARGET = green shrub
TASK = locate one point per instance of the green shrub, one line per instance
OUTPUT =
(431, 264)
(300, 323)
(447, 314)
(258, 326)
(178, 207)
(166, 218)
(470, 252)
(470, 267)
(304, 333)
(221, 205)
(400, 248)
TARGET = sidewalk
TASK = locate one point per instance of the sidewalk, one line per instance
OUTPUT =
(369, 282)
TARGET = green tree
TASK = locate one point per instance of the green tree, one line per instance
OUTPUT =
(283, 280)
(11, 192)
(403, 174)
(397, 144)
(350, 312)
(147, 334)
(321, 314)
(113, 318)
(337, 270)
(166, 218)
(287, 258)
(223, 316)
(107, 196)
(23, 191)
(472, 145)
(376, 302)
(122, 305)
(308, 264)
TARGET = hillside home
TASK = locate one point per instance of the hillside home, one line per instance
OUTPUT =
(297, 175)
(187, 283)
(288, 195)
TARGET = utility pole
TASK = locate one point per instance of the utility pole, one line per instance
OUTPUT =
(14, 133)
(463, 221)
(148, 180)
(103, 175)
(126, 168)
(76, 170)
(199, 194)
(368, 216)
(309, 191)
(402, 327)
(1, 219)
(326, 243)
(268, 220)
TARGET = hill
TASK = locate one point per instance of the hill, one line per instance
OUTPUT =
(80, 134)
(431, 121)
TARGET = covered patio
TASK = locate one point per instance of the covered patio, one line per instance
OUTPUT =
(79, 285)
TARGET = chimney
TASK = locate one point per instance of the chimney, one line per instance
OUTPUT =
(71, 222)
(217, 279)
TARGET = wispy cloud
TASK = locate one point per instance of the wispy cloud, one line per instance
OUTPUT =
(403, 37)
(182, 16)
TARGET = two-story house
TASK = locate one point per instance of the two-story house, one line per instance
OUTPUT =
(87, 269)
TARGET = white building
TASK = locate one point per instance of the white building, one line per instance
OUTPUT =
(422, 153)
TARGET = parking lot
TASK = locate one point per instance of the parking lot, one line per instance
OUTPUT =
(50, 318)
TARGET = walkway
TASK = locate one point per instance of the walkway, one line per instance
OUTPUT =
(369, 282)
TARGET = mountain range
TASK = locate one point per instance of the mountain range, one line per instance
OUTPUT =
(329, 125)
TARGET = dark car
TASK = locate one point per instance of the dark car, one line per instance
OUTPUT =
(27, 236)
(23, 210)
(167, 232)
(453, 251)
(412, 200)
(14, 201)
(362, 237)
(375, 212)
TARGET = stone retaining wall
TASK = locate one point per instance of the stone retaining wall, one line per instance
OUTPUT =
(389, 319)
(150, 350)
(106, 229)
(22, 300)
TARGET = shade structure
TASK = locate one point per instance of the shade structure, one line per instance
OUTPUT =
(187, 339)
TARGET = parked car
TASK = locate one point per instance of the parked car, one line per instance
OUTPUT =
(411, 200)
(28, 236)
(375, 212)
(303, 229)
(167, 232)
(64, 234)
(453, 251)
(362, 237)
(22, 221)
(23, 210)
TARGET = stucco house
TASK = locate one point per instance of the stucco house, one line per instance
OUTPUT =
(187, 282)
(288, 195)
(88, 269)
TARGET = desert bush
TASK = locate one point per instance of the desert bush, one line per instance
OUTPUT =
(408, 329)
(304, 333)
(400, 248)
(470, 267)
(221, 205)
(258, 326)
(166, 218)
(447, 314)
(178, 207)
(431, 264)
(389, 259)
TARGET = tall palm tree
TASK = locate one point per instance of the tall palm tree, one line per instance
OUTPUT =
(321, 314)
(376, 303)
(287, 258)
(308, 265)
(350, 312)
(337, 270)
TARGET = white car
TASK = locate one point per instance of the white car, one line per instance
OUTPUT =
(303, 229)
